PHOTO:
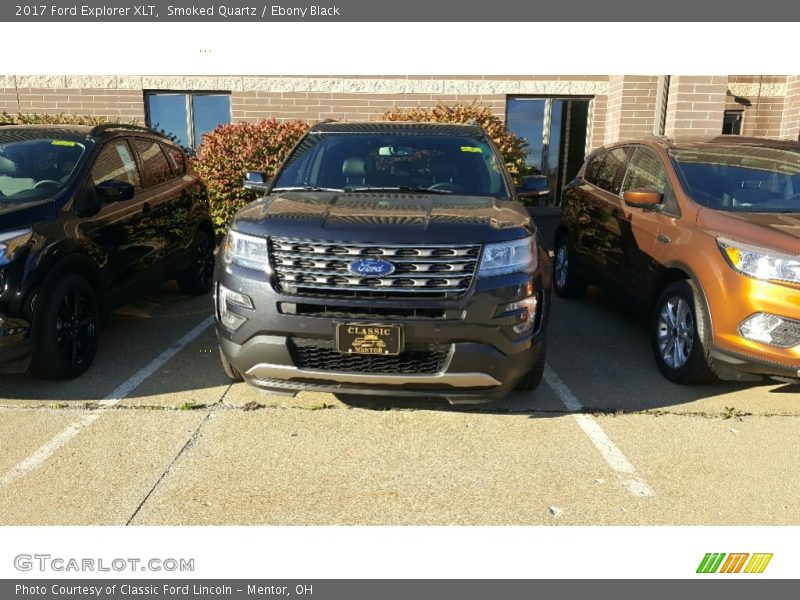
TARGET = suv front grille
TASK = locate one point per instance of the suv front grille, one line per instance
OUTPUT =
(320, 355)
(320, 268)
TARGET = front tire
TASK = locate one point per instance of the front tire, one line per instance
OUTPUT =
(681, 335)
(566, 282)
(533, 378)
(198, 278)
(66, 330)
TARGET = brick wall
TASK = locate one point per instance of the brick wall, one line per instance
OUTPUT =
(790, 121)
(125, 105)
(631, 107)
(696, 105)
(315, 106)
(760, 99)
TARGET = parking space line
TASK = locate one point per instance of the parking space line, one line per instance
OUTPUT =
(621, 466)
(50, 447)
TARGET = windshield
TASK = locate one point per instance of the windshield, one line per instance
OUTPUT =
(36, 169)
(404, 162)
(741, 178)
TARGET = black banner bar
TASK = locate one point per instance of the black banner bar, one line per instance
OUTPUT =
(408, 11)
(731, 588)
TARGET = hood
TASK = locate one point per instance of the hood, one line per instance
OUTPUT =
(14, 215)
(780, 231)
(385, 217)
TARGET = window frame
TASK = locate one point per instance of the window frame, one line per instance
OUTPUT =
(133, 154)
(146, 182)
(740, 113)
(188, 95)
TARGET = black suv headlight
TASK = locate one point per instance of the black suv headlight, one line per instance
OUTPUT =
(516, 256)
(246, 251)
(11, 242)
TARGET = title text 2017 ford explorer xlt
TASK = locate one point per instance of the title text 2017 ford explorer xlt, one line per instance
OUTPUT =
(388, 259)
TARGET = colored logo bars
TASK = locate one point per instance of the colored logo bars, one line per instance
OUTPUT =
(733, 563)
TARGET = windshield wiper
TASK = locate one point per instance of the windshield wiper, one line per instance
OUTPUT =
(411, 190)
(306, 188)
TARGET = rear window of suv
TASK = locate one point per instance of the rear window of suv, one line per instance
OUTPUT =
(740, 178)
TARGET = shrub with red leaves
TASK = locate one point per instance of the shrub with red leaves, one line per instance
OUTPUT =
(229, 151)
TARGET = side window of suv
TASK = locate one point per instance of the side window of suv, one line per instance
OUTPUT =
(154, 162)
(645, 171)
(608, 173)
(116, 162)
(590, 175)
(177, 160)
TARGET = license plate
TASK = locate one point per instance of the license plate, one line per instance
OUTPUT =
(373, 338)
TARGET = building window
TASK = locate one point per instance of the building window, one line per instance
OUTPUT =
(732, 122)
(555, 130)
(186, 116)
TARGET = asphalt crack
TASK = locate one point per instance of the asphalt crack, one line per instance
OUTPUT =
(187, 446)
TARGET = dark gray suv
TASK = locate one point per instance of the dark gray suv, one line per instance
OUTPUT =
(389, 259)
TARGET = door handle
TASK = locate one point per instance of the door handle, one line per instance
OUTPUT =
(663, 239)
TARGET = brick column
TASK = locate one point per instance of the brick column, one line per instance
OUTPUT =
(631, 107)
(790, 119)
(696, 105)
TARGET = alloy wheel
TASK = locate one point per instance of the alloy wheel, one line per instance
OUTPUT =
(76, 327)
(675, 332)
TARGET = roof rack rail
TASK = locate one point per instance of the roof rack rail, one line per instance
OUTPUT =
(103, 127)
(322, 122)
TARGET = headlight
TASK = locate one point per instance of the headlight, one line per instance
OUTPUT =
(246, 251)
(761, 263)
(12, 242)
(518, 256)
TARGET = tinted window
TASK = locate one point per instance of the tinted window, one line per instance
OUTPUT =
(177, 159)
(36, 169)
(590, 175)
(154, 162)
(416, 162)
(608, 172)
(116, 162)
(741, 178)
(645, 171)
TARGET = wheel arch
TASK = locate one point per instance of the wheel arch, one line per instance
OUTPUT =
(679, 271)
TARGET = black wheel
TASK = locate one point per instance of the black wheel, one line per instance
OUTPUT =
(681, 335)
(566, 282)
(533, 378)
(66, 327)
(230, 370)
(198, 278)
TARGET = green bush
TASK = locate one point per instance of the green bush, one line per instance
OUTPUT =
(511, 147)
(229, 151)
(59, 119)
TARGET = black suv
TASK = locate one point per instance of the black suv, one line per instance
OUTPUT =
(389, 259)
(89, 217)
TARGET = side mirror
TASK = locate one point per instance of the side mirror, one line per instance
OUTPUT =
(256, 181)
(642, 198)
(114, 190)
(534, 186)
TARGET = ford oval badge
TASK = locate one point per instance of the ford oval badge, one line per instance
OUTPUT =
(371, 267)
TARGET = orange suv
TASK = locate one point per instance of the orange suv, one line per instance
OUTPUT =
(707, 233)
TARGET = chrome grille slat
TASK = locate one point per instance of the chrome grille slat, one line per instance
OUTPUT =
(314, 267)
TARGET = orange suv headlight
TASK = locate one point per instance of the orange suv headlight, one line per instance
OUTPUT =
(761, 263)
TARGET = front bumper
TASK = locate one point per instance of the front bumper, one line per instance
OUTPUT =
(485, 358)
(734, 298)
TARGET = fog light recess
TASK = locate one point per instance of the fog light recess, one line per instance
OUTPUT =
(771, 329)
